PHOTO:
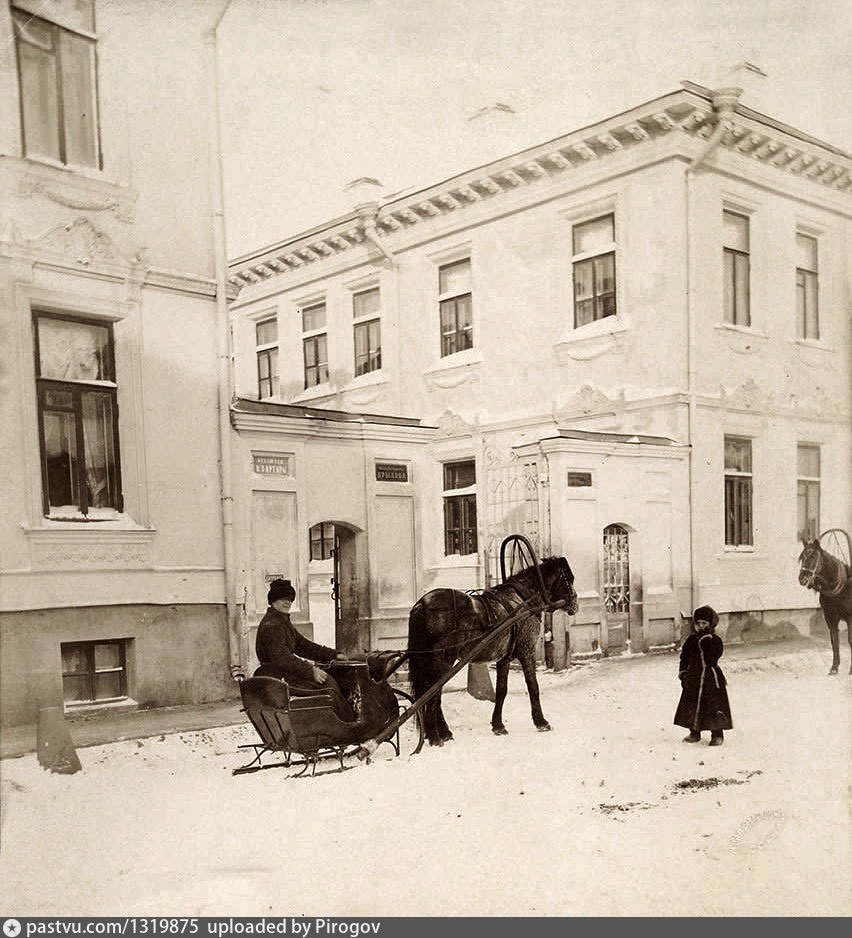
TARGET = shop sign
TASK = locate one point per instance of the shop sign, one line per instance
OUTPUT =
(391, 472)
(273, 464)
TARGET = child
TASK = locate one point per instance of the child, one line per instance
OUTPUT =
(704, 700)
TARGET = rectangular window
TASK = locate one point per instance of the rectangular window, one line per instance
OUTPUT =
(807, 287)
(808, 484)
(594, 270)
(78, 416)
(57, 75)
(735, 231)
(94, 672)
(460, 508)
(367, 328)
(738, 493)
(454, 300)
(315, 344)
(266, 337)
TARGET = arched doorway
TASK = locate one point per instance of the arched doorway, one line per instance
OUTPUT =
(335, 585)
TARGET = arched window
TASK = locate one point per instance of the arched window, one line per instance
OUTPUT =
(616, 569)
(322, 540)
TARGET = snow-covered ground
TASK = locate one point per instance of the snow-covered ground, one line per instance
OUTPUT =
(610, 814)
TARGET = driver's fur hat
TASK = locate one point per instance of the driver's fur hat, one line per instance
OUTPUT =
(706, 614)
(280, 589)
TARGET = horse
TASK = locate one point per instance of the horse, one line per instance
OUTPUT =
(832, 579)
(445, 624)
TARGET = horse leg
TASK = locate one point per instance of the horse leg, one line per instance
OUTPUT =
(833, 632)
(528, 664)
(849, 636)
(500, 696)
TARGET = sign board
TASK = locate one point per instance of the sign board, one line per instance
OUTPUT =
(391, 472)
(579, 479)
(271, 463)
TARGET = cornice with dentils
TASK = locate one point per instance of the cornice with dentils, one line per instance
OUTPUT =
(688, 111)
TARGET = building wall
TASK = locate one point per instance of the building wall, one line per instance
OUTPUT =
(129, 244)
(665, 366)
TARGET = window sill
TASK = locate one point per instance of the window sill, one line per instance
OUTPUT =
(816, 345)
(457, 560)
(592, 340)
(744, 340)
(92, 708)
(365, 388)
(103, 519)
(455, 369)
(739, 553)
(76, 187)
(314, 392)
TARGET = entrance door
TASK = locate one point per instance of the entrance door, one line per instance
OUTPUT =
(347, 605)
(616, 587)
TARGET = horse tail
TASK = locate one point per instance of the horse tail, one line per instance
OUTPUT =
(419, 646)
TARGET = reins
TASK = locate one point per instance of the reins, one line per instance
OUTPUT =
(816, 581)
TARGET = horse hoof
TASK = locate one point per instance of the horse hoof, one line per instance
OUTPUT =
(544, 728)
(499, 731)
(834, 671)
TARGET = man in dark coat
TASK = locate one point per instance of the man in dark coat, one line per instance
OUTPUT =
(282, 652)
(703, 701)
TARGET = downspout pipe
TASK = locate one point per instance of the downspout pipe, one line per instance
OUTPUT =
(724, 103)
(223, 338)
(368, 216)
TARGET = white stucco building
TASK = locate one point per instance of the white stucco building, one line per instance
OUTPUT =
(631, 343)
(112, 584)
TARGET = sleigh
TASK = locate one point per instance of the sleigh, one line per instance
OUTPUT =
(301, 730)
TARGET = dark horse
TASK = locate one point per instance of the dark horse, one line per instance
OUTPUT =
(832, 579)
(445, 624)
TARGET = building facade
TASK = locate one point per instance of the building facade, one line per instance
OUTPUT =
(630, 343)
(112, 585)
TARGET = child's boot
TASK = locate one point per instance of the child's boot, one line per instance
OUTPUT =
(694, 737)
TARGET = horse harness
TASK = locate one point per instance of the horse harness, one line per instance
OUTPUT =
(814, 578)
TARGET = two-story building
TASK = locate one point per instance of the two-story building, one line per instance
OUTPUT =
(630, 342)
(112, 553)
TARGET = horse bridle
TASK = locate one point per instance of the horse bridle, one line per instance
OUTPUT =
(813, 579)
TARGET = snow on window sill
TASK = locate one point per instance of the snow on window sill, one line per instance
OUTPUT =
(71, 519)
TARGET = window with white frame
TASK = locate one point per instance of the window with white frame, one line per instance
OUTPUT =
(56, 50)
(94, 672)
(735, 252)
(266, 340)
(807, 287)
(593, 266)
(367, 331)
(738, 492)
(460, 507)
(77, 414)
(315, 344)
(456, 307)
(808, 490)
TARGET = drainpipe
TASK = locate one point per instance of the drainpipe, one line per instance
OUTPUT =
(223, 335)
(724, 102)
(369, 214)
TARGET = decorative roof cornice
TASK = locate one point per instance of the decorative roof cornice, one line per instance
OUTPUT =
(304, 421)
(688, 111)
